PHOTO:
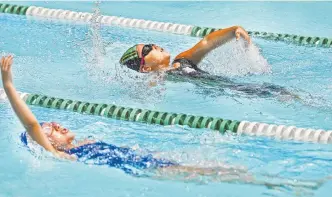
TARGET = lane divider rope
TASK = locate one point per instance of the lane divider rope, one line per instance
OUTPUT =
(280, 132)
(174, 28)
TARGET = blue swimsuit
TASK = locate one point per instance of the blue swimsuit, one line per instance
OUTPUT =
(126, 159)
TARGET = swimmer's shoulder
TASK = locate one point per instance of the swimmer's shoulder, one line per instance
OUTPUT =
(176, 65)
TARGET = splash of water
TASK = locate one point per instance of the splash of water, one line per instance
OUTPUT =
(99, 58)
(236, 59)
(2, 94)
(96, 56)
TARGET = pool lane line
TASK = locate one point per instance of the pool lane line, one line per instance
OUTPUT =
(280, 132)
(181, 29)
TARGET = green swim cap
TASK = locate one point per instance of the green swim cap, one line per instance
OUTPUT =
(131, 59)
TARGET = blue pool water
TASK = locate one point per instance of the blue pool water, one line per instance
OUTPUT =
(57, 59)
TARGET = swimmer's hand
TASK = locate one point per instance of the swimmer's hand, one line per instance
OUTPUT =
(240, 32)
(6, 72)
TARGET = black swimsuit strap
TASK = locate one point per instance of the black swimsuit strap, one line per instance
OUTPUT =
(184, 61)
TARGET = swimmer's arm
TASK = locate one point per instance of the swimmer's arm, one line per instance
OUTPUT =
(212, 41)
(21, 110)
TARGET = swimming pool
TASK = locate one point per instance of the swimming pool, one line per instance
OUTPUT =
(51, 59)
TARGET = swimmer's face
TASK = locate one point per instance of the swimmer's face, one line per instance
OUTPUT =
(157, 59)
(59, 136)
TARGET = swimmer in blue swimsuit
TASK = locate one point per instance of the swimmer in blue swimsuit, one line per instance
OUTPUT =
(62, 143)
(100, 153)
(145, 58)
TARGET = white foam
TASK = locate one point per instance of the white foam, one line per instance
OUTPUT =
(3, 95)
(236, 59)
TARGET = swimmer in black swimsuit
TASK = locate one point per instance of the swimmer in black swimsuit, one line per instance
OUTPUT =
(61, 142)
(149, 58)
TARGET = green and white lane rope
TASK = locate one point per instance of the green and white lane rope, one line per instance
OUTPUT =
(190, 30)
(281, 132)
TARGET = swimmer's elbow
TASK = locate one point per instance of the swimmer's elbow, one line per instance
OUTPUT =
(237, 27)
